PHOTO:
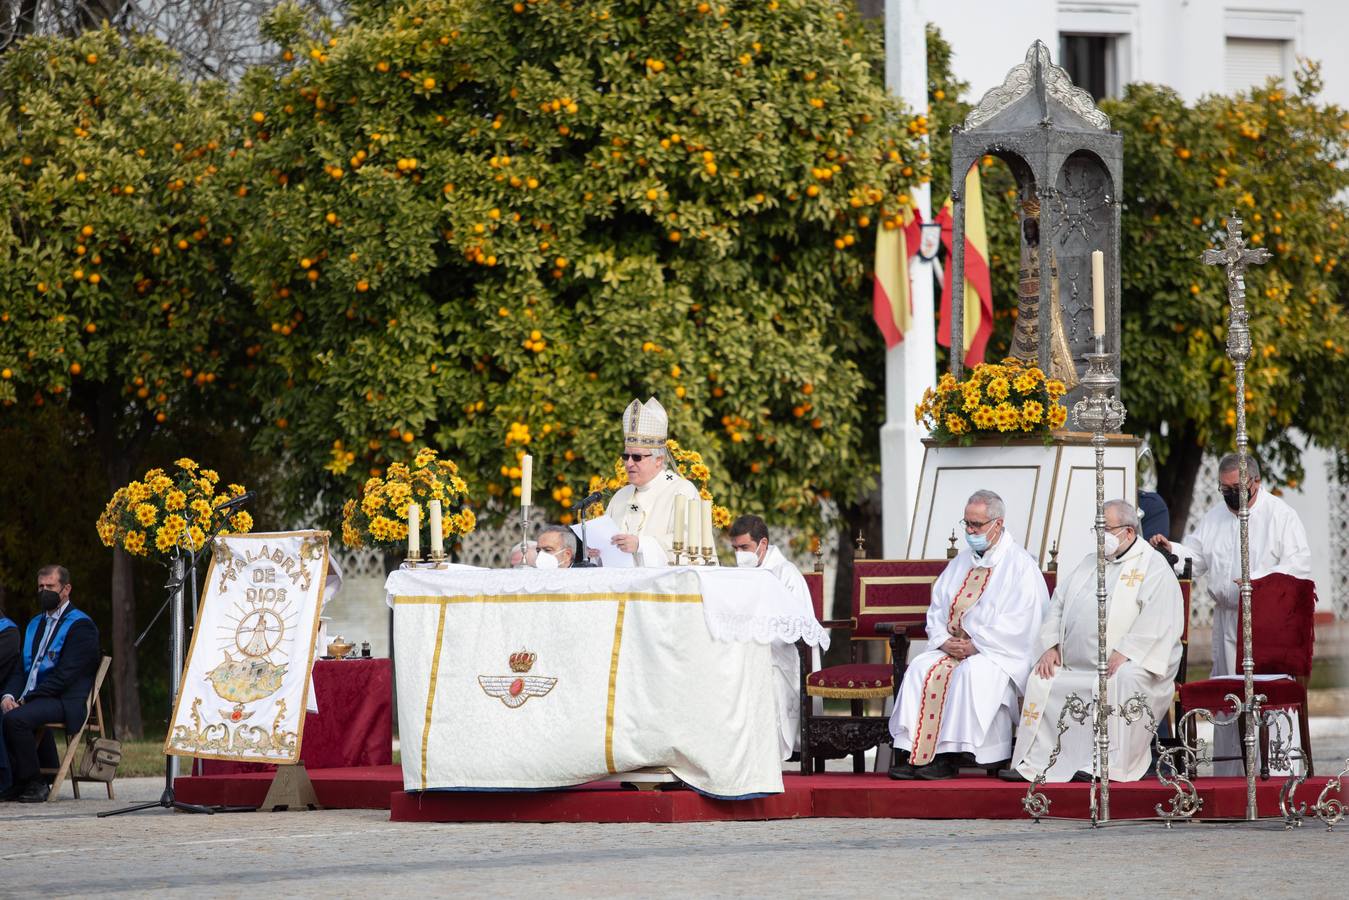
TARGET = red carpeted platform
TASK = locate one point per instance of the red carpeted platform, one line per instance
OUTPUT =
(833, 795)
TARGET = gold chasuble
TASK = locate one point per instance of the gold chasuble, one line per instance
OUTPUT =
(939, 677)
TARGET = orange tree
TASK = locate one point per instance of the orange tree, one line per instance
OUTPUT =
(1277, 156)
(486, 226)
(112, 296)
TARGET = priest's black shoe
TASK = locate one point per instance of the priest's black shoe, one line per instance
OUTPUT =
(1080, 776)
(1011, 775)
(903, 772)
(35, 791)
(941, 767)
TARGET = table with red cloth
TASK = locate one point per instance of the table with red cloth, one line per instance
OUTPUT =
(354, 724)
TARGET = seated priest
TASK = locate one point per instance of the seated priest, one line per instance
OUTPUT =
(749, 539)
(51, 684)
(958, 700)
(1143, 628)
(643, 510)
(556, 548)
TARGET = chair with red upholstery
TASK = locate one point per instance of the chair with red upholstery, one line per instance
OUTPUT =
(815, 584)
(890, 598)
(1283, 632)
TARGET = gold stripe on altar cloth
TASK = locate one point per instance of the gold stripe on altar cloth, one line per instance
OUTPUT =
(613, 689)
(431, 690)
(612, 597)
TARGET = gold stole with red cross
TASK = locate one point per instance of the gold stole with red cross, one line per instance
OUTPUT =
(939, 676)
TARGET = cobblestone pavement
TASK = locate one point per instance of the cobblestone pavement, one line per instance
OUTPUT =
(61, 848)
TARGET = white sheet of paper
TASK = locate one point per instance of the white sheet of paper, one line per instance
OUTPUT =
(598, 533)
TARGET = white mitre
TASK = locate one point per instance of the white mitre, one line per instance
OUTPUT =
(645, 424)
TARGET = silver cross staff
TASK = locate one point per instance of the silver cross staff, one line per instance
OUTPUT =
(1235, 257)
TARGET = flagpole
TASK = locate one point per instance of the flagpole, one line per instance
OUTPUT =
(910, 366)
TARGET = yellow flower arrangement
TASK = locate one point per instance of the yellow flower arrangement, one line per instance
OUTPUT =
(688, 463)
(1006, 398)
(164, 513)
(380, 515)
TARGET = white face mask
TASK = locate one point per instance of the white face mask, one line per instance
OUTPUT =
(1111, 544)
(545, 560)
(747, 559)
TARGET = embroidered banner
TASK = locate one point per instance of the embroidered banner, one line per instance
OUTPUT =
(243, 691)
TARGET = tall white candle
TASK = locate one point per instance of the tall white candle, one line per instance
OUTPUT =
(526, 480)
(437, 537)
(695, 524)
(1097, 292)
(680, 523)
(414, 531)
(708, 532)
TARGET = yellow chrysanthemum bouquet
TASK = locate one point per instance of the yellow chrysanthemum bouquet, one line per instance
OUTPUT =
(688, 463)
(166, 512)
(380, 516)
(994, 399)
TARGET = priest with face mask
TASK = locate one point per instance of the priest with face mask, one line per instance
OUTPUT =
(1144, 622)
(1278, 543)
(749, 540)
(643, 510)
(958, 700)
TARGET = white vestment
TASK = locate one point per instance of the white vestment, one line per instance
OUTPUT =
(648, 513)
(1278, 543)
(981, 700)
(1144, 621)
(786, 660)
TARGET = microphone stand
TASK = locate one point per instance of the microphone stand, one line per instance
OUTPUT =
(182, 569)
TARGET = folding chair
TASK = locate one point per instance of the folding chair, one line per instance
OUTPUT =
(94, 727)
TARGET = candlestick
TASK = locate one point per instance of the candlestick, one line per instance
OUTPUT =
(437, 533)
(526, 480)
(695, 526)
(1097, 292)
(708, 532)
(414, 531)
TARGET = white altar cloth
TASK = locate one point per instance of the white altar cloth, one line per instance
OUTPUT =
(627, 669)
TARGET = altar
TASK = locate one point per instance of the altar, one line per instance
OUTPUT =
(522, 679)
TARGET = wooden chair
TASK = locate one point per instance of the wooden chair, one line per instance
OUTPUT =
(890, 598)
(815, 583)
(1283, 633)
(94, 725)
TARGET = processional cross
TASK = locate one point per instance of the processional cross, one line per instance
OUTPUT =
(1235, 257)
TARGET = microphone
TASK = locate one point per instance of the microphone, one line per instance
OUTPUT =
(243, 499)
(585, 502)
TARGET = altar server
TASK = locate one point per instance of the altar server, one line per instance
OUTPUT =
(51, 684)
(1144, 621)
(749, 540)
(644, 509)
(960, 697)
(1278, 543)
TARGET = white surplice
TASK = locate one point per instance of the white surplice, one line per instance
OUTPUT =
(1278, 543)
(981, 702)
(1144, 622)
(648, 513)
(786, 660)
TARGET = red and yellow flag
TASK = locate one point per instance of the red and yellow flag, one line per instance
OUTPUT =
(891, 297)
(978, 305)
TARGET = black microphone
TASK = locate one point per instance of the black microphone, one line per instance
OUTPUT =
(585, 502)
(242, 500)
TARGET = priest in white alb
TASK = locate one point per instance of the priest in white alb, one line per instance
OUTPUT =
(1278, 543)
(1144, 622)
(749, 540)
(643, 510)
(958, 700)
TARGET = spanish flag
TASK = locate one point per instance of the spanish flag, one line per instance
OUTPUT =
(891, 300)
(978, 306)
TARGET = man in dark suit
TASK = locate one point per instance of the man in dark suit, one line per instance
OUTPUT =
(50, 684)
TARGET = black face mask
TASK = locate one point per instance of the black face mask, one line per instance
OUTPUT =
(48, 600)
(1232, 497)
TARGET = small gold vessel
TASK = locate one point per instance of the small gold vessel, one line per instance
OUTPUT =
(339, 647)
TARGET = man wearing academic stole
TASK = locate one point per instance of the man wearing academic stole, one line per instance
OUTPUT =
(643, 509)
(1144, 622)
(959, 698)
